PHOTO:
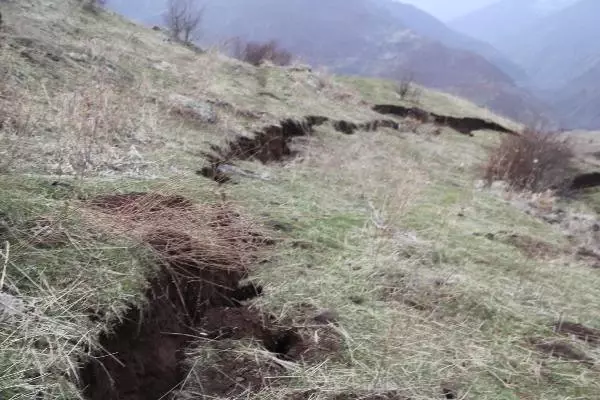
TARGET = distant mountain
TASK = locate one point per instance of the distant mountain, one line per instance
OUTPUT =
(432, 28)
(557, 43)
(369, 37)
(561, 54)
(559, 47)
(505, 18)
(578, 101)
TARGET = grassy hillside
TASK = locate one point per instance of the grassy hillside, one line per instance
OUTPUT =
(343, 266)
(389, 39)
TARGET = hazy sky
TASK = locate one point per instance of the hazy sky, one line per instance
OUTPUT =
(448, 9)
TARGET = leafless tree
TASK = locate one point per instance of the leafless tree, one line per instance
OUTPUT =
(407, 89)
(184, 19)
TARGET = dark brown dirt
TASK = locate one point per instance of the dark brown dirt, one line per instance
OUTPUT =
(197, 294)
(585, 181)
(345, 127)
(270, 144)
(532, 247)
(148, 202)
(229, 374)
(582, 332)
(465, 125)
(273, 143)
(366, 395)
(449, 392)
(350, 128)
(561, 349)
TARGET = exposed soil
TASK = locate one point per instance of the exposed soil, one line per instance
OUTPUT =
(273, 143)
(349, 128)
(449, 393)
(351, 395)
(561, 349)
(466, 125)
(197, 294)
(582, 332)
(225, 373)
(585, 181)
(531, 247)
(140, 202)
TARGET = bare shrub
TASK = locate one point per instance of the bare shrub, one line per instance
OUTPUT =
(407, 90)
(184, 19)
(94, 5)
(256, 53)
(534, 160)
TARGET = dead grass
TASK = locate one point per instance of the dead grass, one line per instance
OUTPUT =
(379, 226)
(181, 232)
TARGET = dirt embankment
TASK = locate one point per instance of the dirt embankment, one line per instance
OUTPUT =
(195, 301)
(466, 125)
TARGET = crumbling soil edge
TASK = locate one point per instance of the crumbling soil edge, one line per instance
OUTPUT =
(465, 125)
(196, 294)
(273, 143)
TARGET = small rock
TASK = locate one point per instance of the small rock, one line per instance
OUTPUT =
(326, 316)
(10, 307)
(499, 186)
(163, 66)
(480, 184)
(552, 218)
(79, 57)
(133, 154)
(358, 300)
(240, 379)
(201, 110)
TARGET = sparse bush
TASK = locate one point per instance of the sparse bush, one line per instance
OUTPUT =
(184, 19)
(534, 160)
(407, 90)
(94, 5)
(256, 53)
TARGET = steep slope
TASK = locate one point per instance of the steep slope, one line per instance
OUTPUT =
(387, 39)
(334, 265)
(502, 19)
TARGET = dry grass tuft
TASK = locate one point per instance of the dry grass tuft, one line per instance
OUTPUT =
(535, 161)
(180, 232)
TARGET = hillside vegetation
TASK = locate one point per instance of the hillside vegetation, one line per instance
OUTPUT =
(389, 39)
(178, 224)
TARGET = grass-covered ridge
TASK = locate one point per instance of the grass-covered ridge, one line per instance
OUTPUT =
(357, 266)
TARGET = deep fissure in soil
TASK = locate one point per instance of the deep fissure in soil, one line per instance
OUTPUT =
(272, 143)
(194, 295)
(464, 125)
